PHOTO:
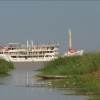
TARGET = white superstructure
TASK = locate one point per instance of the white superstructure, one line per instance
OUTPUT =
(70, 51)
(29, 53)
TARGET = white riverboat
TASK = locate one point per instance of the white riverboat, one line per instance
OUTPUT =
(16, 52)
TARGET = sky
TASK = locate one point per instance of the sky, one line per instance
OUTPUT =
(49, 21)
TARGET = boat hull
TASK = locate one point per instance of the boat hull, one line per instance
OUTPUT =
(9, 58)
(76, 53)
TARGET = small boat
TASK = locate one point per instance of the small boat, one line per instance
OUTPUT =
(71, 51)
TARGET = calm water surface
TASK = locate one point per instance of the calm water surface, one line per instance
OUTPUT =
(14, 86)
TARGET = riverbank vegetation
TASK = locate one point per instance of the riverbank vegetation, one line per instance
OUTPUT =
(5, 67)
(83, 73)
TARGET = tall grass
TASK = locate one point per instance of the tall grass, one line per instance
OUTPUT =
(73, 65)
(82, 70)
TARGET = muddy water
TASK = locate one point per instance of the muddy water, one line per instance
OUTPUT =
(14, 86)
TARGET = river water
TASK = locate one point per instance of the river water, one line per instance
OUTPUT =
(14, 86)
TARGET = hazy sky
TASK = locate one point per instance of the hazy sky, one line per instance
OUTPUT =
(47, 21)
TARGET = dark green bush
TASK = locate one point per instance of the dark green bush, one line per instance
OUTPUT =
(5, 66)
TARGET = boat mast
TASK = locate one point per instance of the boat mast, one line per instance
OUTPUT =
(31, 44)
(69, 39)
(27, 47)
(32, 48)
